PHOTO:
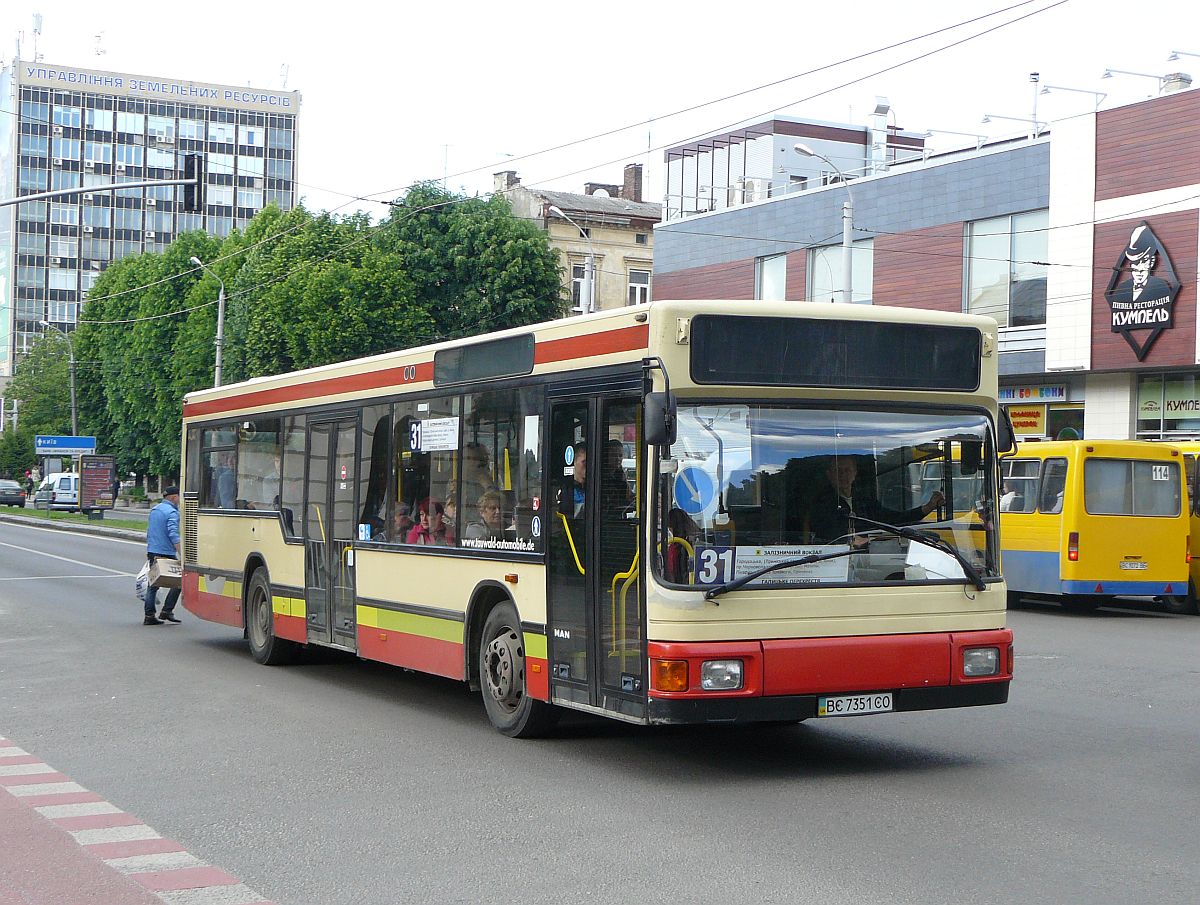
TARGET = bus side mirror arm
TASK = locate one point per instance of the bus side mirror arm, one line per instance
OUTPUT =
(659, 415)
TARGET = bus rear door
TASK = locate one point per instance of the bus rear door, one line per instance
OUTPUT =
(329, 527)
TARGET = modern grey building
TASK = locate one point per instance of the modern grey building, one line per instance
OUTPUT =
(85, 128)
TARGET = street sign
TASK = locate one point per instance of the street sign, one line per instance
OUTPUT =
(63, 446)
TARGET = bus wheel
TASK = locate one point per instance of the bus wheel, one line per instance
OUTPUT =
(260, 624)
(1082, 603)
(502, 678)
(1182, 604)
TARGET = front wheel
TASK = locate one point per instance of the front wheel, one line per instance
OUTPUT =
(502, 678)
(265, 647)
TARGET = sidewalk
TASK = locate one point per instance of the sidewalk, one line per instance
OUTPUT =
(61, 844)
(96, 528)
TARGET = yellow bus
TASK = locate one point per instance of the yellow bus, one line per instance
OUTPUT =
(1185, 603)
(687, 512)
(1084, 521)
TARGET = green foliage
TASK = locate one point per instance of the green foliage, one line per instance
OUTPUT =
(301, 290)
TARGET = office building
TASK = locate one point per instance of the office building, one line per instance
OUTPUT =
(86, 129)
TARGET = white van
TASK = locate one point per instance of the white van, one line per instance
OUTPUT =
(58, 491)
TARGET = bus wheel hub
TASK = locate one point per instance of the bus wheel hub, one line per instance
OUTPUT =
(500, 669)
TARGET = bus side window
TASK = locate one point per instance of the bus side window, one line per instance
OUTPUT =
(1054, 483)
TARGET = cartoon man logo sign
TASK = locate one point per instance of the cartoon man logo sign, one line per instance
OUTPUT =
(1142, 304)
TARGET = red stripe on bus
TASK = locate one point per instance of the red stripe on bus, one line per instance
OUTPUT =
(537, 678)
(867, 663)
(206, 605)
(291, 628)
(432, 655)
(330, 386)
(623, 340)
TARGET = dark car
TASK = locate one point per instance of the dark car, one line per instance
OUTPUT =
(12, 494)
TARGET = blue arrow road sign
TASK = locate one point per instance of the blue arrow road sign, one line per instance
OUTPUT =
(63, 446)
(694, 490)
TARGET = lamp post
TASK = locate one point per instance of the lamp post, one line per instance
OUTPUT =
(847, 223)
(220, 340)
(1109, 73)
(71, 372)
(587, 300)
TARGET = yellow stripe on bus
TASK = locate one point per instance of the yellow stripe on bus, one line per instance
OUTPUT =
(288, 606)
(535, 645)
(411, 624)
(223, 587)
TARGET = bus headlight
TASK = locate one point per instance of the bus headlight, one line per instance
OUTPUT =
(721, 675)
(981, 661)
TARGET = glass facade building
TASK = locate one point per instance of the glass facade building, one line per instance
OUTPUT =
(90, 130)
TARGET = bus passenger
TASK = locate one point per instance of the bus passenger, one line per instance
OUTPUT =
(489, 524)
(476, 472)
(429, 528)
(614, 488)
(402, 523)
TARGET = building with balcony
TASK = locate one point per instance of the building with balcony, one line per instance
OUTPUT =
(611, 224)
(1082, 243)
(87, 129)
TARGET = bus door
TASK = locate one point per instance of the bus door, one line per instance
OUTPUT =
(595, 611)
(329, 532)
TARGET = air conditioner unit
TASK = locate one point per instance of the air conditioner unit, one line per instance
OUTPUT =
(149, 235)
(89, 165)
(58, 161)
(88, 196)
(120, 168)
(56, 261)
(87, 230)
(151, 202)
(58, 130)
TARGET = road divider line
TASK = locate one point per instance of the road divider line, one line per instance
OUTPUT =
(75, 562)
(61, 577)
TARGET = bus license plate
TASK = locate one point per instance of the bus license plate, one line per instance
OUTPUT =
(1134, 565)
(855, 704)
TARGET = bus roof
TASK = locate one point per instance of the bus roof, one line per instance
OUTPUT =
(605, 338)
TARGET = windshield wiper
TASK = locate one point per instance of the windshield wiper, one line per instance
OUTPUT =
(785, 564)
(936, 542)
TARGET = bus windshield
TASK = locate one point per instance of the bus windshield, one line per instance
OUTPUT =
(751, 486)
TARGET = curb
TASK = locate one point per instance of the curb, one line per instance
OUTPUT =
(73, 527)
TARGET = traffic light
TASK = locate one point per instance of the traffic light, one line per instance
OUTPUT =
(193, 192)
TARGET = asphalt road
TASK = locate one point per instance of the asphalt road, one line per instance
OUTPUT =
(336, 781)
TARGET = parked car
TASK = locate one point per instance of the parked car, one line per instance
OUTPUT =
(58, 491)
(12, 494)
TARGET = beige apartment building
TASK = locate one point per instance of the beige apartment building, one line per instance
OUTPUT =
(610, 225)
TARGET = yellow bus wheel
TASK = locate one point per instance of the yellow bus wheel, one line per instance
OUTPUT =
(502, 678)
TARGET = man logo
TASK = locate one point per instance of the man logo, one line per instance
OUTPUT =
(1142, 304)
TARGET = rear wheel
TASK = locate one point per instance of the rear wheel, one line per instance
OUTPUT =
(502, 678)
(1182, 604)
(265, 647)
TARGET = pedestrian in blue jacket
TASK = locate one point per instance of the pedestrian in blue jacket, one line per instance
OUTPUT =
(162, 542)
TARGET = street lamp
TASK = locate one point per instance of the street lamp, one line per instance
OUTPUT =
(587, 300)
(1037, 126)
(847, 223)
(1099, 95)
(71, 371)
(220, 341)
(979, 139)
(1109, 73)
(1176, 54)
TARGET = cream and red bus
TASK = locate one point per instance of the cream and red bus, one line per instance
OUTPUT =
(625, 513)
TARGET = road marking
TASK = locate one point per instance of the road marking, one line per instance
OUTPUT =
(120, 840)
(76, 562)
(60, 577)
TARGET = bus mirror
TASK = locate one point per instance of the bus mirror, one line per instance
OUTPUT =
(971, 454)
(1005, 433)
(660, 419)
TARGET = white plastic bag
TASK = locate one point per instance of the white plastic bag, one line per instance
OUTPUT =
(142, 582)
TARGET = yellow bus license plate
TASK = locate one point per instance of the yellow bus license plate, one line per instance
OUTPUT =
(855, 704)
(1134, 566)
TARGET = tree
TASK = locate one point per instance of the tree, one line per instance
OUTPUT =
(474, 265)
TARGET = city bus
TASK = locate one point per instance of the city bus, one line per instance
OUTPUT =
(625, 513)
(1085, 521)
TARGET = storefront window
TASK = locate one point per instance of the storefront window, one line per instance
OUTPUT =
(1168, 406)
